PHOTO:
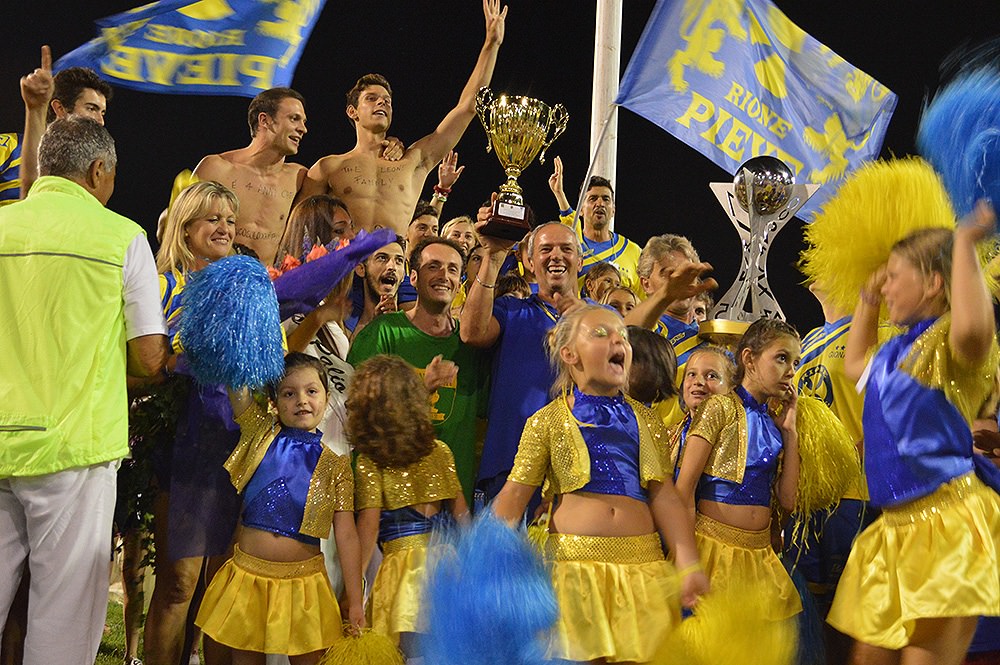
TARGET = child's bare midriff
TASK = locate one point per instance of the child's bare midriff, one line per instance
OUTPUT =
(588, 514)
(273, 546)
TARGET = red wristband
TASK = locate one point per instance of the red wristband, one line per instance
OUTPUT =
(438, 189)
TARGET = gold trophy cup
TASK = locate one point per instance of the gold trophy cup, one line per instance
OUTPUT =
(518, 129)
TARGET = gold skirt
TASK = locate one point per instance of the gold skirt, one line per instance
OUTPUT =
(395, 600)
(270, 606)
(618, 597)
(743, 563)
(932, 557)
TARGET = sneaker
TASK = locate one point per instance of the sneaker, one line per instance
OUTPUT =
(133, 661)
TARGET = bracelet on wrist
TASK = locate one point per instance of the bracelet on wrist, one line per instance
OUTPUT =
(484, 284)
(438, 189)
(440, 197)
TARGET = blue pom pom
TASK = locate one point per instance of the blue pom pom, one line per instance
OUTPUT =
(959, 135)
(229, 324)
(490, 602)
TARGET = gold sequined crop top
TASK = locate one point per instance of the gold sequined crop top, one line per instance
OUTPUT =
(432, 478)
(552, 452)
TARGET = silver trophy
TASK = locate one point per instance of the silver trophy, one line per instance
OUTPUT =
(762, 198)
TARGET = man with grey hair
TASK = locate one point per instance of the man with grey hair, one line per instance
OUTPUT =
(79, 308)
(518, 327)
(664, 257)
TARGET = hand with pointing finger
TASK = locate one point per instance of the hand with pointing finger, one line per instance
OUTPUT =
(38, 86)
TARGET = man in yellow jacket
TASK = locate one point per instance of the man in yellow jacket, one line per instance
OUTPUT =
(79, 307)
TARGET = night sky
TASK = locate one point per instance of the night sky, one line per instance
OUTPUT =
(426, 48)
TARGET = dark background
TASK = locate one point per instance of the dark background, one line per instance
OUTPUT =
(426, 48)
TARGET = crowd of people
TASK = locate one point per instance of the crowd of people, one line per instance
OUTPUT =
(560, 381)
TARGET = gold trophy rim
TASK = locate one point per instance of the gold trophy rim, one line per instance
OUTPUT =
(723, 332)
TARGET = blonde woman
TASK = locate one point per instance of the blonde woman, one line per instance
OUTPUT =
(196, 507)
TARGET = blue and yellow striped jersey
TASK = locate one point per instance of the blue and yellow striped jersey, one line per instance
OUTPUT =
(821, 373)
(620, 252)
(684, 338)
(10, 168)
(171, 295)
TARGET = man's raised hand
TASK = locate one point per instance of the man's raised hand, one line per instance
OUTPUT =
(494, 21)
(37, 87)
(449, 171)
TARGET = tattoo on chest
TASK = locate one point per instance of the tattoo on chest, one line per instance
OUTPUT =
(263, 190)
(384, 176)
(377, 181)
(255, 235)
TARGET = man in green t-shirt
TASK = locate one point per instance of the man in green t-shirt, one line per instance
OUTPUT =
(426, 336)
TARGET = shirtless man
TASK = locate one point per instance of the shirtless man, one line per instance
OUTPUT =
(264, 183)
(384, 195)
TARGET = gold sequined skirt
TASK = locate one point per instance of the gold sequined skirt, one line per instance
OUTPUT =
(933, 557)
(618, 597)
(395, 599)
(271, 607)
(742, 563)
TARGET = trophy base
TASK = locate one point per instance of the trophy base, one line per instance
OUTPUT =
(723, 332)
(508, 221)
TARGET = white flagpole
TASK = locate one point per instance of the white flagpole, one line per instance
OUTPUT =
(607, 74)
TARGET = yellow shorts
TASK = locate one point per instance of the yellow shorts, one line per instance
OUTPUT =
(396, 593)
(618, 597)
(743, 563)
(270, 606)
(932, 557)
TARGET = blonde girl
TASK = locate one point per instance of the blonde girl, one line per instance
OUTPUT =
(918, 577)
(599, 455)
(737, 457)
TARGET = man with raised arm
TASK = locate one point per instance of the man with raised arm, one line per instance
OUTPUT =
(74, 91)
(384, 195)
(593, 228)
(521, 376)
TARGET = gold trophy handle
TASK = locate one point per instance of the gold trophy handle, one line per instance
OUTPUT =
(484, 101)
(558, 117)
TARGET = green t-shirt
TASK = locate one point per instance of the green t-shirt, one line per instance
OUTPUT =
(454, 408)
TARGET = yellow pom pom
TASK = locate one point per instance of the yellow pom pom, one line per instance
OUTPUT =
(730, 629)
(878, 205)
(538, 531)
(829, 462)
(182, 181)
(368, 648)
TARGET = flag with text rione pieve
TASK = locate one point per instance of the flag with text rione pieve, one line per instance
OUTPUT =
(209, 47)
(736, 79)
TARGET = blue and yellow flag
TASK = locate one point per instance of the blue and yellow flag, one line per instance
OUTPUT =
(736, 79)
(209, 47)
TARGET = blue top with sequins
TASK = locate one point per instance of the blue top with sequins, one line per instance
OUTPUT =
(611, 432)
(764, 445)
(915, 439)
(275, 498)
